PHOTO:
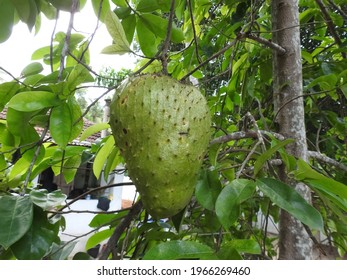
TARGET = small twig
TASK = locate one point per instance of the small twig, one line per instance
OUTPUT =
(65, 50)
(112, 242)
(239, 172)
(91, 191)
(343, 14)
(190, 8)
(33, 160)
(14, 78)
(87, 211)
(243, 135)
(222, 51)
(52, 39)
(330, 25)
(265, 42)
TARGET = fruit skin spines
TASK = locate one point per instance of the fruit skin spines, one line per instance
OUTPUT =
(162, 128)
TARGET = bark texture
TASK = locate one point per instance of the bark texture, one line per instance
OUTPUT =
(294, 242)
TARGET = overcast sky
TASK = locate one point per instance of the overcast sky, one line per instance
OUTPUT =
(16, 52)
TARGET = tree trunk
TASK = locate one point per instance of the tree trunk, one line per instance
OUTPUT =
(294, 242)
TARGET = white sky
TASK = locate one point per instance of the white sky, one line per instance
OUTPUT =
(16, 52)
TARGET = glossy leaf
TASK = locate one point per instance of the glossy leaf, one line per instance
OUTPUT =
(116, 31)
(63, 251)
(70, 168)
(98, 237)
(60, 124)
(129, 24)
(180, 249)
(320, 182)
(290, 200)
(32, 69)
(229, 200)
(93, 129)
(76, 115)
(107, 219)
(101, 8)
(146, 38)
(102, 156)
(6, 20)
(145, 6)
(30, 101)
(37, 241)
(207, 189)
(46, 200)
(232, 250)
(16, 216)
(27, 11)
(7, 91)
(77, 76)
(113, 160)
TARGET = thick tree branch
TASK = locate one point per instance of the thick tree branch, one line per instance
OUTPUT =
(125, 223)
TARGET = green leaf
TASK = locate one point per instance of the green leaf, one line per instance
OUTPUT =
(27, 11)
(16, 216)
(6, 19)
(290, 200)
(93, 129)
(229, 200)
(101, 10)
(180, 249)
(156, 24)
(112, 161)
(145, 6)
(46, 200)
(116, 31)
(32, 69)
(115, 49)
(64, 5)
(207, 189)
(70, 168)
(107, 219)
(7, 91)
(37, 241)
(102, 156)
(268, 154)
(98, 237)
(147, 39)
(247, 246)
(60, 124)
(231, 250)
(76, 115)
(78, 75)
(129, 24)
(320, 182)
(63, 251)
(30, 101)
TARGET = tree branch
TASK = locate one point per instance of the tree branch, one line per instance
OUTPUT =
(330, 25)
(328, 160)
(65, 50)
(243, 135)
(166, 44)
(112, 242)
(265, 42)
(190, 8)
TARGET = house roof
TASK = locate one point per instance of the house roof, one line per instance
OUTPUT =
(86, 123)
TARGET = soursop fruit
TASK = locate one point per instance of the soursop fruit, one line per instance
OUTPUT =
(162, 128)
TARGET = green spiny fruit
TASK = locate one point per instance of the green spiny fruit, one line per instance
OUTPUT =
(162, 128)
